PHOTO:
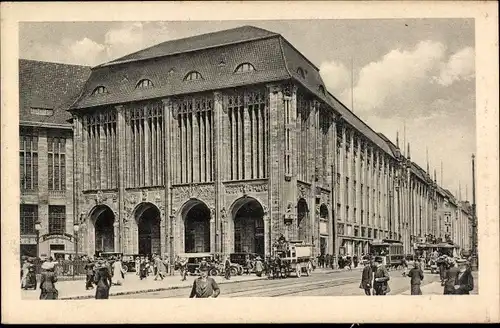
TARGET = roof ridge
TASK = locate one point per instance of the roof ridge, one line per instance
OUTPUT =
(53, 63)
(120, 60)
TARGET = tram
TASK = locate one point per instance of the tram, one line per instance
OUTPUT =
(391, 252)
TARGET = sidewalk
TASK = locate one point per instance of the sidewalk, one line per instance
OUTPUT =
(435, 288)
(75, 289)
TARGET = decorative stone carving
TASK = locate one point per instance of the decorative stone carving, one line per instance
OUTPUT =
(195, 191)
(303, 190)
(245, 188)
(158, 198)
(265, 209)
(99, 198)
(223, 212)
(115, 197)
(173, 211)
(212, 212)
(144, 195)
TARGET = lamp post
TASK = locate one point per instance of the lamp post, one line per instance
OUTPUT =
(38, 227)
(474, 258)
(76, 227)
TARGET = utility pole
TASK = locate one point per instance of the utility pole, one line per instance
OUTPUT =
(474, 260)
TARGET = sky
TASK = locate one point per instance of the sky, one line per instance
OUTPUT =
(415, 76)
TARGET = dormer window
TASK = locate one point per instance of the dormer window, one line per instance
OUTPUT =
(322, 89)
(42, 111)
(192, 76)
(245, 67)
(99, 90)
(301, 72)
(144, 83)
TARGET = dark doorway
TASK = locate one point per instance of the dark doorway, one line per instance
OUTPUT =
(303, 220)
(148, 224)
(197, 229)
(249, 228)
(104, 218)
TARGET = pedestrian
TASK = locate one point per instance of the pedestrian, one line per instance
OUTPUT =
(416, 275)
(118, 272)
(89, 271)
(48, 279)
(450, 278)
(441, 262)
(259, 267)
(24, 271)
(248, 265)
(102, 280)
(143, 268)
(183, 268)
(366, 278)
(381, 278)
(138, 265)
(465, 282)
(355, 260)
(227, 268)
(161, 268)
(349, 262)
(340, 262)
(204, 286)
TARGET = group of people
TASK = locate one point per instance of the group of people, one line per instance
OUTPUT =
(155, 265)
(375, 276)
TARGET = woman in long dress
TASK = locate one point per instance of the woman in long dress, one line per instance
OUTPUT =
(48, 279)
(118, 272)
(102, 279)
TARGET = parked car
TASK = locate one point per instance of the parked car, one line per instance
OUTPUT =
(240, 260)
(194, 260)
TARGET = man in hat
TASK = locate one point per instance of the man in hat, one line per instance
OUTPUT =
(464, 283)
(89, 269)
(416, 275)
(204, 286)
(381, 278)
(366, 278)
(102, 279)
(450, 277)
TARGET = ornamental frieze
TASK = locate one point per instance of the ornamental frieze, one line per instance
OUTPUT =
(194, 191)
(303, 190)
(245, 188)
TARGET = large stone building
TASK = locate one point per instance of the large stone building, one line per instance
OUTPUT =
(46, 90)
(222, 142)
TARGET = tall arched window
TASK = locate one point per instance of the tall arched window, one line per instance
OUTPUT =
(245, 67)
(192, 76)
(99, 90)
(144, 83)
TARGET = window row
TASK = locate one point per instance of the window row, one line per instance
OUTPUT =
(190, 76)
(28, 162)
(29, 216)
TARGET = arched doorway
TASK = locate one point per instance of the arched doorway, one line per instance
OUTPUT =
(148, 220)
(303, 220)
(103, 219)
(196, 227)
(248, 220)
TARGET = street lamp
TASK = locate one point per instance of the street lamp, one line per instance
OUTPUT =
(76, 227)
(38, 227)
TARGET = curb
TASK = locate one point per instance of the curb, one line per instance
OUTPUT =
(151, 290)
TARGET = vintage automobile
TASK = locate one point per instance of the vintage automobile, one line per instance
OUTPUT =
(391, 252)
(194, 260)
(295, 257)
(239, 262)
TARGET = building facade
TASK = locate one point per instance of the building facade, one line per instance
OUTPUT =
(223, 142)
(46, 90)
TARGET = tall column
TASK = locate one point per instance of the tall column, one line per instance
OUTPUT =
(196, 145)
(275, 160)
(168, 170)
(221, 165)
(247, 139)
(122, 173)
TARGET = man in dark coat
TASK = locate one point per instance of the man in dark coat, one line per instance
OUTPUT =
(227, 268)
(355, 261)
(381, 278)
(102, 279)
(89, 270)
(204, 286)
(464, 283)
(416, 275)
(366, 278)
(450, 278)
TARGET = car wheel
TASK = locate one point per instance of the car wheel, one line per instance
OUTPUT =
(234, 271)
(214, 272)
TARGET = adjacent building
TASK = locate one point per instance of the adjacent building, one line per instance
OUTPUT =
(225, 141)
(46, 90)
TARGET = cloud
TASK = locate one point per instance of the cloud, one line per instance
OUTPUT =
(86, 51)
(460, 66)
(336, 76)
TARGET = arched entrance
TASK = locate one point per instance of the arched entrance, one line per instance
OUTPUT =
(103, 218)
(248, 220)
(196, 217)
(148, 220)
(303, 220)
